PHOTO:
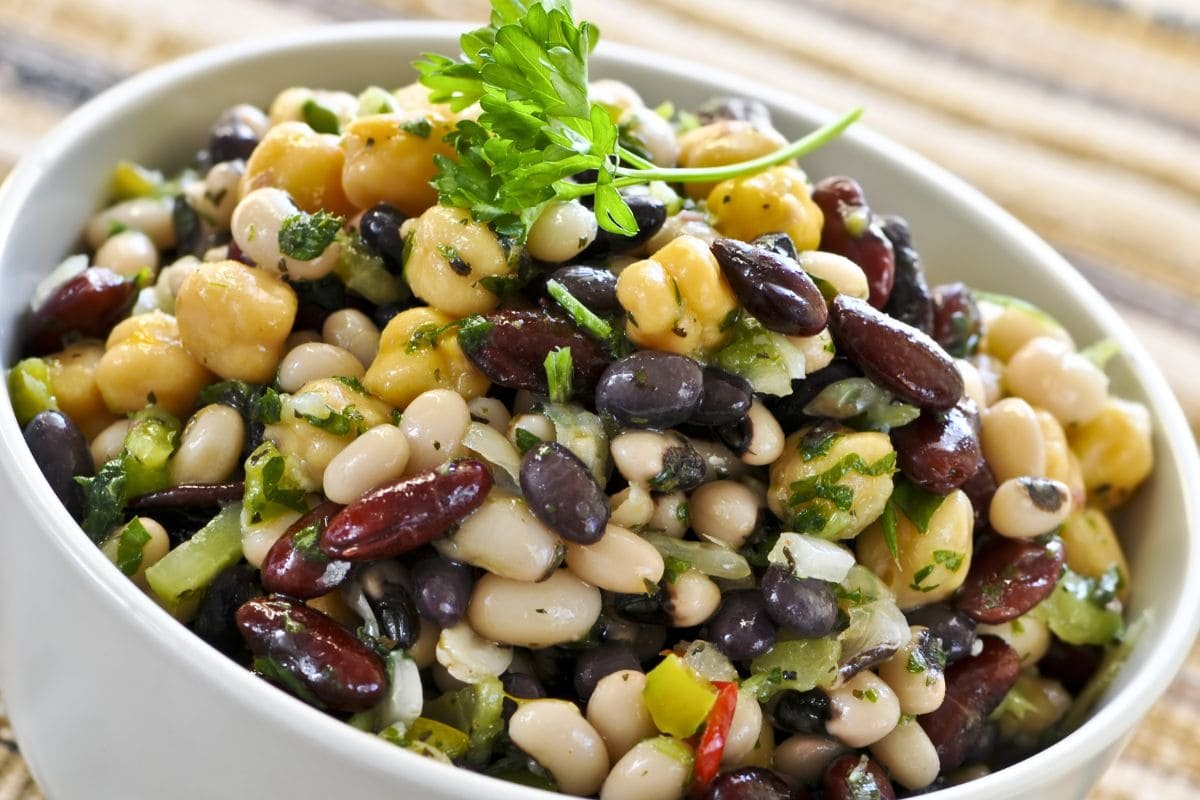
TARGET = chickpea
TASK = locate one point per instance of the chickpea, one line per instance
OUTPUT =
(1058, 456)
(1049, 373)
(726, 141)
(73, 381)
(451, 255)
(678, 299)
(235, 319)
(1008, 329)
(1092, 547)
(838, 459)
(128, 253)
(145, 355)
(389, 157)
(256, 225)
(775, 200)
(617, 97)
(400, 372)
(1115, 452)
(305, 164)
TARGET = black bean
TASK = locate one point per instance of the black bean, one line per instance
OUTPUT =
(683, 469)
(752, 783)
(597, 662)
(562, 492)
(648, 211)
(231, 138)
(214, 621)
(910, 300)
(726, 399)
(745, 109)
(595, 287)
(382, 315)
(646, 641)
(442, 589)
(939, 451)
(646, 609)
(789, 410)
(62, 454)
(806, 606)
(520, 684)
(772, 287)
(953, 628)
(741, 628)
(801, 712)
(736, 435)
(957, 323)
(380, 231)
(1073, 665)
(651, 389)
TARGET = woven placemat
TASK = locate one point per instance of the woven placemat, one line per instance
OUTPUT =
(1082, 117)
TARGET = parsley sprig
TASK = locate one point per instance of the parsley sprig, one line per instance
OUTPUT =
(528, 70)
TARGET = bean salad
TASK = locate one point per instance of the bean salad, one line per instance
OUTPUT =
(587, 444)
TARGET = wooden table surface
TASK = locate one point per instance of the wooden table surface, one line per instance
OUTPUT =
(1081, 117)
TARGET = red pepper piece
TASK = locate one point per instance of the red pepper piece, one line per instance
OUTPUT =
(716, 733)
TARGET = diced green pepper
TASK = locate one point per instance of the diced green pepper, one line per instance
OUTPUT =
(151, 440)
(30, 388)
(130, 180)
(270, 487)
(677, 697)
(768, 360)
(186, 571)
(364, 272)
(425, 734)
(1082, 610)
(802, 664)
(476, 711)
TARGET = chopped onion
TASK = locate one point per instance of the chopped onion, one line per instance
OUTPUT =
(405, 697)
(709, 558)
(877, 626)
(492, 446)
(810, 557)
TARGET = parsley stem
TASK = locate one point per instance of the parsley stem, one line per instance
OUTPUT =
(584, 317)
(633, 158)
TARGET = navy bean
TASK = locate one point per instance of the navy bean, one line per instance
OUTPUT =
(62, 454)
(953, 628)
(772, 287)
(651, 389)
(562, 492)
(741, 628)
(597, 662)
(726, 399)
(442, 589)
(910, 301)
(806, 606)
(380, 232)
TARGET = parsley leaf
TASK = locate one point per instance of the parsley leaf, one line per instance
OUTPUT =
(583, 316)
(129, 549)
(103, 499)
(559, 370)
(918, 505)
(526, 440)
(305, 236)
(269, 489)
(320, 118)
(418, 127)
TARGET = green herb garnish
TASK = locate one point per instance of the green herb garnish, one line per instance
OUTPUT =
(558, 374)
(320, 118)
(305, 236)
(130, 546)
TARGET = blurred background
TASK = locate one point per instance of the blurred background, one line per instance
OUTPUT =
(1081, 117)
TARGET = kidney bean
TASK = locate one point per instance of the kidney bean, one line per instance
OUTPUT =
(562, 492)
(62, 454)
(911, 302)
(380, 232)
(510, 348)
(725, 400)
(772, 287)
(402, 516)
(443, 589)
(215, 620)
(980, 488)
(597, 662)
(231, 138)
(651, 389)
(939, 451)
(896, 355)
(957, 323)
(1009, 577)
(806, 606)
(741, 108)
(395, 611)
(190, 495)
(295, 565)
(337, 670)
(853, 777)
(801, 712)
(1073, 665)
(741, 628)
(648, 211)
(595, 287)
(851, 230)
(752, 783)
(974, 687)
(953, 628)
(88, 304)
(789, 410)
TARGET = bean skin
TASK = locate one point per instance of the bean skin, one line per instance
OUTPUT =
(295, 566)
(801, 712)
(597, 662)
(954, 628)
(338, 670)
(231, 138)
(939, 451)
(726, 399)
(190, 495)
(649, 212)
(806, 606)
(510, 348)
(772, 287)
(402, 516)
(911, 302)
(1009, 577)
(957, 323)
(215, 620)
(851, 777)
(896, 355)
(741, 628)
(88, 304)
(595, 287)
(62, 455)
(380, 231)
(562, 492)
(974, 687)
(443, 590)
(651, 389)
(851, 230)
(752, 783)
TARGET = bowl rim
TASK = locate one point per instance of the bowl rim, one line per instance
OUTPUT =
(1101, 730)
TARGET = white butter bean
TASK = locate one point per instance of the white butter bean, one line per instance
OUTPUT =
(505, 538)
(724, 512)
(128, 253)
(908, 755)
(558, 610)
(1011, 438)
(210, 448)
(352, 330)
(562, 741)
(435, 423)
(618, 711)
(621, 561)
(375, 458)
(314, 361)
(655, 769)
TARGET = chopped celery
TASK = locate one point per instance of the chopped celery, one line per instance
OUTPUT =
(425, 734)
(768, 360)
(707, 557)
(151, 440)
(186, 571)
(364, 272)
(476, 711)
(375, 100)
(677, 697)
(270, 487)
(1082, 610)
(846, 398)
(130, 180)
(802, 664)
(581, 432)
(1008, 301)
(30, 389)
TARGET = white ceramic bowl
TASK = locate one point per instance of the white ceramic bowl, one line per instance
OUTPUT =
(111, 698)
